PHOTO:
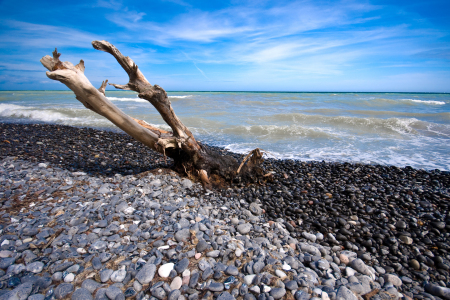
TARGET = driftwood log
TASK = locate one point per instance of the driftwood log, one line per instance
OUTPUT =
(189, 156)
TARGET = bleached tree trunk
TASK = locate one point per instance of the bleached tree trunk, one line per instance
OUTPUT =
(189, 155)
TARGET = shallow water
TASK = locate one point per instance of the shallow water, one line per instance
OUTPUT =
(382, 128)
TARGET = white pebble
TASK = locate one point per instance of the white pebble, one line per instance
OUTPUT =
(69, 278)
(165, 269)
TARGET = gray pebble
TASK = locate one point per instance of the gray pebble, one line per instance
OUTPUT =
(82, 294)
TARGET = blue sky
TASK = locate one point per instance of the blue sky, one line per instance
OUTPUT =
(392, 46)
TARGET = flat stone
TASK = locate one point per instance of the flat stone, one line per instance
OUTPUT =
(69, 277)
(309, 236)
(216, 287)
(392, 279)
(105, 274)
(146, 274)
(181, 265)
(159, 293)
(21, 292)
(248, 279)
(214, 253)
(82, 294)
(36, 297)
(345, 294)
(439, 291)
(90, 285)
(6, 262)
(277, 293)
(35, 267)
(182, 235)
(201, 246)
(176, 283)
(119, 275)
(232, 270)
(63, 290)
(174, 294)
(112, 291)
(244, 228)
(165, 269)
(225, 296)
(358, 265)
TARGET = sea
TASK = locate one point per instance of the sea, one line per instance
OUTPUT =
(392, 129)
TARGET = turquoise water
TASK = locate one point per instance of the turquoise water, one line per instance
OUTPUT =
(379, 128)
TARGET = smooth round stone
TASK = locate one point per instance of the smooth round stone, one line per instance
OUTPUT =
(63, 290)
(159, 293)
(238, 252)
(414, 264)
(358, 265)
(137, 286)
(216, 287)
(349, 272)
(406, 239)
(201, 246)
(105, 275)
(69, 278)
(119, 275)
(197, 255)
(82, 294)
(255, 289)
(231, 270)
(146, 274)
(174, 294)
(323, 264)
(248, 279)
(96, 263)
(214, 253)
(176, 283)
(225, 296)
(345, 293)
(90, 285)
(344, 259)
(181, 265)
(182, 235)
(244, 228)
(280, 274)
(440, 291)
(57, 276)
(392, 279)
(286, 267)
(35, 267)
(36, 297)
(309, 236)
(165, 269)
(234, 221)
(113, 291)
(291, 285)
(401, 224)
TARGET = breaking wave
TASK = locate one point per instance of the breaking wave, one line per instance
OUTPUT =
(431, 102)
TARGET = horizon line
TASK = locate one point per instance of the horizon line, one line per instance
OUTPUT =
(292, 92)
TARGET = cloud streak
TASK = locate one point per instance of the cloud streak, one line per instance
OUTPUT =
(253, 42)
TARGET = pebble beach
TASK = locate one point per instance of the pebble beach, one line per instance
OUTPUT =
(92, 214)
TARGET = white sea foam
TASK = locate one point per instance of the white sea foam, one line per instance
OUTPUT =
(64, 116)
(431, 102)
(181, 97)
(126, 99)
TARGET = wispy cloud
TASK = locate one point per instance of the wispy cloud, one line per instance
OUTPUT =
(251, 42)
(34, 35)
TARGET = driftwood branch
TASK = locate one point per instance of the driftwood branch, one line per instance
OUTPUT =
(179, 144)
